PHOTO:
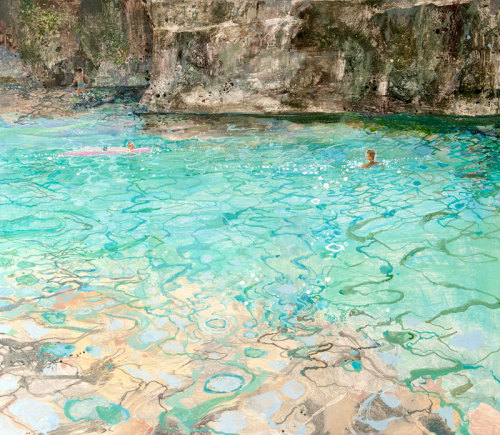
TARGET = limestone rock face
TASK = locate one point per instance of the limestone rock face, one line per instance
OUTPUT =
(419, 56)
(324, 55)
(110, 39)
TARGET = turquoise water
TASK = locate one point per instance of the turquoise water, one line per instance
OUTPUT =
(272, 213)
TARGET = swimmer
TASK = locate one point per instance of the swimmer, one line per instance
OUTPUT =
(370, 156)
(130, 146)
(81, 80)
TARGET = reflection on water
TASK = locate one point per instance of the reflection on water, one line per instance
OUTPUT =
(246, 271)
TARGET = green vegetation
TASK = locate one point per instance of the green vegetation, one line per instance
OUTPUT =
(37, 25)
(43, 21)
(100, 35)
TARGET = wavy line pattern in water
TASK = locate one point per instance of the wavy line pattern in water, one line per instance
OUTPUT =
(246, 274)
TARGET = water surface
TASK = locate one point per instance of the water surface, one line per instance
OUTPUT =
(269, 215)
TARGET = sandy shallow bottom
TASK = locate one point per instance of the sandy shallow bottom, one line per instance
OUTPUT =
(224, 371)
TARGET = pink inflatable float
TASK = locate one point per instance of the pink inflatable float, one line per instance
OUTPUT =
(106, 152)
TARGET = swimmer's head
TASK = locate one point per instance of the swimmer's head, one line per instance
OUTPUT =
(370, 155)
(130, 145)
(79, 70)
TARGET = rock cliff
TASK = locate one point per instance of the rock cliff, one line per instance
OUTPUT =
(272, 55)
(46, 40)
(342, 55)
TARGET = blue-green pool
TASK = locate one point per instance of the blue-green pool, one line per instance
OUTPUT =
(270, 213)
